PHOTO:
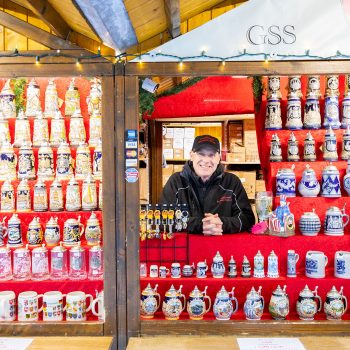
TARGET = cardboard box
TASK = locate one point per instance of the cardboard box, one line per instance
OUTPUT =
(143, 183)
(179, 133)
(248, 179)
(260, 186)
(178, 154)
(178, 143)
(236, 147)
(168, 153)
(178, 168)
(249, 124)
(168, 170)
(250, 139)
(168, 143)
(235, 157)
(190, 133)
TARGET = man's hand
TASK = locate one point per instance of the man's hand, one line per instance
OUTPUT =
(212, 225)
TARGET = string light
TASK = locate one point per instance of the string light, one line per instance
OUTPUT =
(37, 60)
(223, 62)
(77, 62)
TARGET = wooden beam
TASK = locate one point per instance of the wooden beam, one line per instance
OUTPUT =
(50, 16)
(34, 33)
(172, 12)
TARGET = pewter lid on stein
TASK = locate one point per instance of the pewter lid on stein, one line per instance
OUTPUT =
(309, 137)
(73, 220)
(149, 291)
(333, 209)
(14, 218)
(23, 185)
(272, 254)
(40, 182)
(7, 185)
(253, 294)
(307, 293)
(222, 293)
(35, 222)
(52, 221)
(330, 132)
(172, 292)
(73, 181)
(77, 113)
(58, 249)
(41, 249)
(6, 90)
(286, 170)
(331, 167)
(217, 257)
(24, 249)
(96, 248)
(292, 138)
(92, 219)
(279, 291)
(196, 293)
(333, 293)
(56, 183)
(310, 214)
(232, 260)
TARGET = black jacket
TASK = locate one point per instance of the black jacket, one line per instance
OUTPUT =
(223, 194)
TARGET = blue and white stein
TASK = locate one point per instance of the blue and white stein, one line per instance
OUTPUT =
(14, 231)
(292, 259)
(329, 147)
(331, 117)
(259, 265)
(346, 104)
(273, 119)
(218, 267)
(342, 264)
(309, 224)
(223, 307)
(293, 149)
(202, 268)
(315, 264)
(26, 169)
(64, 168)
(285, 182)
(312, 115)
(334, 221)
(346, 179)
(275, 149)
(254, 305)
(309, 186)
(294, 121)
(330, 182)
(272, 265)
(309, 148)
(345, 152)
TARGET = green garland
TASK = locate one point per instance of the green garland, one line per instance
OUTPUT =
(18, 89)
(258, 87)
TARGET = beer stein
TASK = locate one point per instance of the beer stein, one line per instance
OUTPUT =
(97, 162)
(83, 161)
(40, 202)
(294, 87)
(308, 185)
(150, 301)
(7, 197)
(5, 264)
(72, 99)
(293, 149)
(294, 121)
(279, 303)
(329, 146)
(52, 232)
(95, 129)
(335, 304)
(99, 301)
(95, 262)
(56, 196)
(223, 307)
(275, 149)
(40, 130)
(100, 195)
(35, 234)
(335, 221)
(232, 268)
(8, 162)
(89, 194)
(218, 267)
(26, 169)
(7, 101)
(346, 104)
(45, 162)
(246, 269)
(345, 153)
(23, 197)
(33, 105)
(342, 264)
(312, 115)
(40, 264)
(309, 223)
(273, 119)
(8, 306)
(94, 100)
(22, 130)
(254, 305)
(77, 263)
(64, 168)
(14, 231)
(3, 231)
(315, 264)
(259, 265)
(21, 264)
(51, 99)
(196, 306)
(72, 231)
(77, 133)
(172, 305)
(59, 263)
(73, 199)
(273, 87)
(331, 110)
(285, 182)
(76, 306)
(58, 130)
(53, 306)
(28, 306)
(307, 304)
(93, 230)
(4, 129)
(272, 265)
(330, 182)
(309, 148)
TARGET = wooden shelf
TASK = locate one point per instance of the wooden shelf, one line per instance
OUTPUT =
(243, 163)
(215, 118)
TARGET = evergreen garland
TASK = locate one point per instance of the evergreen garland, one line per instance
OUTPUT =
(18, 89)
(258, 87)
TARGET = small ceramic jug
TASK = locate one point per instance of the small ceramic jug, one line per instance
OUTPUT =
(307, 304)
(330, 182)
(77, 133)
(23, 200)
(329, 147)
(7, 197)
(52, 232)
(315, 264)
(275, 149)
(309, 223)
(93, 230)
(73, 198)
(35, 234)
(335, 304)
(26, 169)
(73, 230)
(150, 301)
(254, 305)
(218, 266)
(22, 130)
(309, 186)
(14, 229)
(334, 221)
(259, 265)
(172, 306)
(58, 130)
(33, 105)
(95, 128)
(40, 201)
(72, 99)
(64, 163)
(293, 149)
(8, 162)
(196, 307)
(285, 182)
(45, 162)
(279, 304)
(223, 307)
(40, 130)
(51, 99)
(309, 148)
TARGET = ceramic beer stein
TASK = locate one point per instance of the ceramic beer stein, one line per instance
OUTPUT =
(33, 105)
(292, 259)
(35, 234)
(5, 264)
(335, 304)
(7, 101)
(93, 230)
(72, 231)
(56, 196)
(293, 149)
(40, 263)
(345, 153)
(285, 182)
(259, 265)
(223, 307)
(309, 186)
(100, 311)
(342, 264)
(76, 306)
(294, 121)
(26, 169)
(53, 306)
(254, 305)
(272, 265)
(7, 306)
(8, 162)
(23, 200)
(346, 179)
(150, 301)
(14, 231)
(187, 270)
(95, 270)
(273, 87)
(97, 162)
(58, 130)
(273, 119)
(83, 161)
(196, 306)
(7, 197)
(330, 182)
(95, 128)
(73, 198)
(77, 133)
(64, 163)
(89, 193)
(201, 270)
(94, 99)
(294, 87)
(307, 304)
(4, 129)
(51, 99)
(246, 269)
(21, 264)
(345, 109)
(28, 306)
(218, 266)
(329, 147)
(331, 115)
(40, 130)
(279, 304)
(309, 148)
(275, 149)
(22, 130)
(72, 99)
(315, 264)
(45, 162)
(312, 115)
(77, 263)
(232, 268)
(172, 305)
(309, 223)
(52, 232)
(334, 221)
(59, 263)
(40, 201)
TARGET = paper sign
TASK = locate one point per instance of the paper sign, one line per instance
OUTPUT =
(15, 343)
(270, 344)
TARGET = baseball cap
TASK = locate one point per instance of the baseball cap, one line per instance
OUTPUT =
(206, 141)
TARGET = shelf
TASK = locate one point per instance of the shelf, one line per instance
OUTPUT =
(243, 163)
(218, 118)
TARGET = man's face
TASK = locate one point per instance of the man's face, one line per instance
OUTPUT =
(205, 162)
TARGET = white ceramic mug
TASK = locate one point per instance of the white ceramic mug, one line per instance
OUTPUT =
(76, 306)
(163, 272)
(99, 302)
(7, 306)
(175, 270)
(143, 269)
(202, 269)
(342, 264)
(153, 271)
(53, 306)
(315, 264)
(28, 306)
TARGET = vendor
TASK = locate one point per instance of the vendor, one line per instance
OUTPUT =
(217, 201)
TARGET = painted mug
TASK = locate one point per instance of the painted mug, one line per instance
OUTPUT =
(315, 264)
(28, 306)
(53, 306)
(7, 306)
(76, 306)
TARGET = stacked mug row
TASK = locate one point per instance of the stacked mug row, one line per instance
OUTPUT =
(24, 264)
(52, 306)
(226, 304)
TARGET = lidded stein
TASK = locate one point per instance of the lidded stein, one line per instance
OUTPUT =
(97, 161)
(309, 223)
(273, 119)
(8, 162)
(312, 116)
(95, 262)
(335, 304)
(7, 197)
(64, 168)
(56, 196)
(77, 133)
(272, 265)
(52, 231)
(21, 264)
(22, 130)
(294, 87)
(150, 301)
(72, 231)
(95, 128)
(285, 182)
(26, 169)
(330, 182)
(5, 264)
(59, 263)
(334, 223)
(232, 268)
(345, 153)
(35, 234)
(275, 149)
(58, 130)
(89, 194)
(33, 105)
(51, 99)
(93, 230)
(14, 229)
(254, 305)
(4, 129)
(246, 269)
(72, 99)
(7, 101)
(40, 130)
(77, 263)
(331, 108)
(23, 197)
(73, 198)
(196, 307)
(309, 186)
(82, 161)
(218, 267)
(294, 121)
(40, 263)
(307, 304)
(172, 305)
(329, 147)
(40, 202)
(346, 104)
(94, 100)
(259, 265)
(279, 304)
(223, 307)
(346, 179)
(45, 162)
(293, 149)
(309, 148)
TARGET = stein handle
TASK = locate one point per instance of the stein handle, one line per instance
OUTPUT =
(345, 303)
(209, 303)
(158, 301)
(183, 296)
(65, 306)
(236, 304)
(82, 229)
(42, 304)
(296, 257)
(347, 219)
(325, 260)
(91, 301)
(262, 301)
(320, 302)
(93, 307)
(6, 312)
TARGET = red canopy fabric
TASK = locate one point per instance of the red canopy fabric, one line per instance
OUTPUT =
(209, 97)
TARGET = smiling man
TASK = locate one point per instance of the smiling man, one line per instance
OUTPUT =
(216, 200)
